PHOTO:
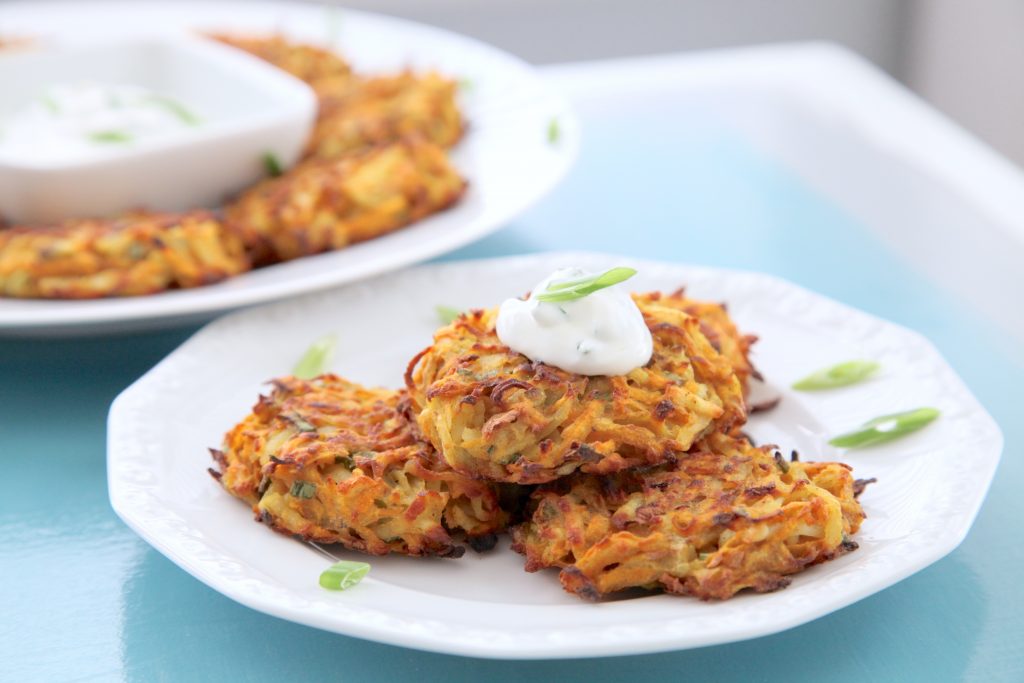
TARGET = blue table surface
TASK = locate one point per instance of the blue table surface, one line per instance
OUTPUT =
(84, 598)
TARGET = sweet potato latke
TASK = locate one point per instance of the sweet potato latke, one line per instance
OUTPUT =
(328, 460)
(309, 63)
(139, 253)
(357, 112)
(494, 414)
(363, 112)
(326, 205)
(724, 517)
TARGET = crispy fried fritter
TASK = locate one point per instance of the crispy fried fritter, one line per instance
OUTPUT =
(324, 205)
(328, 460)
(494, 414)
(724, 517)
(718, 327)
(358, 113)
(139, 253)
(306, 62)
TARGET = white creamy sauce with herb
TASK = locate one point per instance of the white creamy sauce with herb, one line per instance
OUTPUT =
(84, 120)
(602, 333)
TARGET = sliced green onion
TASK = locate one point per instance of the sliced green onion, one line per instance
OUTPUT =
(447, 314)
(886, 428)
(272, 164)
(577, 289)
(840, 375)
(110, 136)
(176, 108)
(303, 489)
(344, 574)
(50, 104)
(554, 131)
(317, 357)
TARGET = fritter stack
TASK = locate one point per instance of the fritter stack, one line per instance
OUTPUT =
(636, 481)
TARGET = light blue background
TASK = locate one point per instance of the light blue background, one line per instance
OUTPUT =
(83, 598)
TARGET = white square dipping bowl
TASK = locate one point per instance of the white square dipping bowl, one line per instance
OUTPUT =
(248, 109)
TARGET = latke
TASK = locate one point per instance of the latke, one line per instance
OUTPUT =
(140, 253)
(494, 414)
(364, 112)
(306, 62)
(723, 518)
(324, 205)
(331, 461)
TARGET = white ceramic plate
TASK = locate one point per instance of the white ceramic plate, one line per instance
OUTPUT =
(930, 487)
(506, 154)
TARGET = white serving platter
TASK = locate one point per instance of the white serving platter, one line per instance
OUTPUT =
(485, 605)
(507, 155)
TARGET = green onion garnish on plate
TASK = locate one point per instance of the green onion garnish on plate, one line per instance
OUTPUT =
(344, 574)
(886, 428)
(570, 290)
(446, 314)
(110, 136)
(841, 375)
(272, 164)
(554, 131)
(317, 357)
(50, 103)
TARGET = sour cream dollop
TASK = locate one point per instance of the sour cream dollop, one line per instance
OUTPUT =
(602, 333)
(75, 121)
